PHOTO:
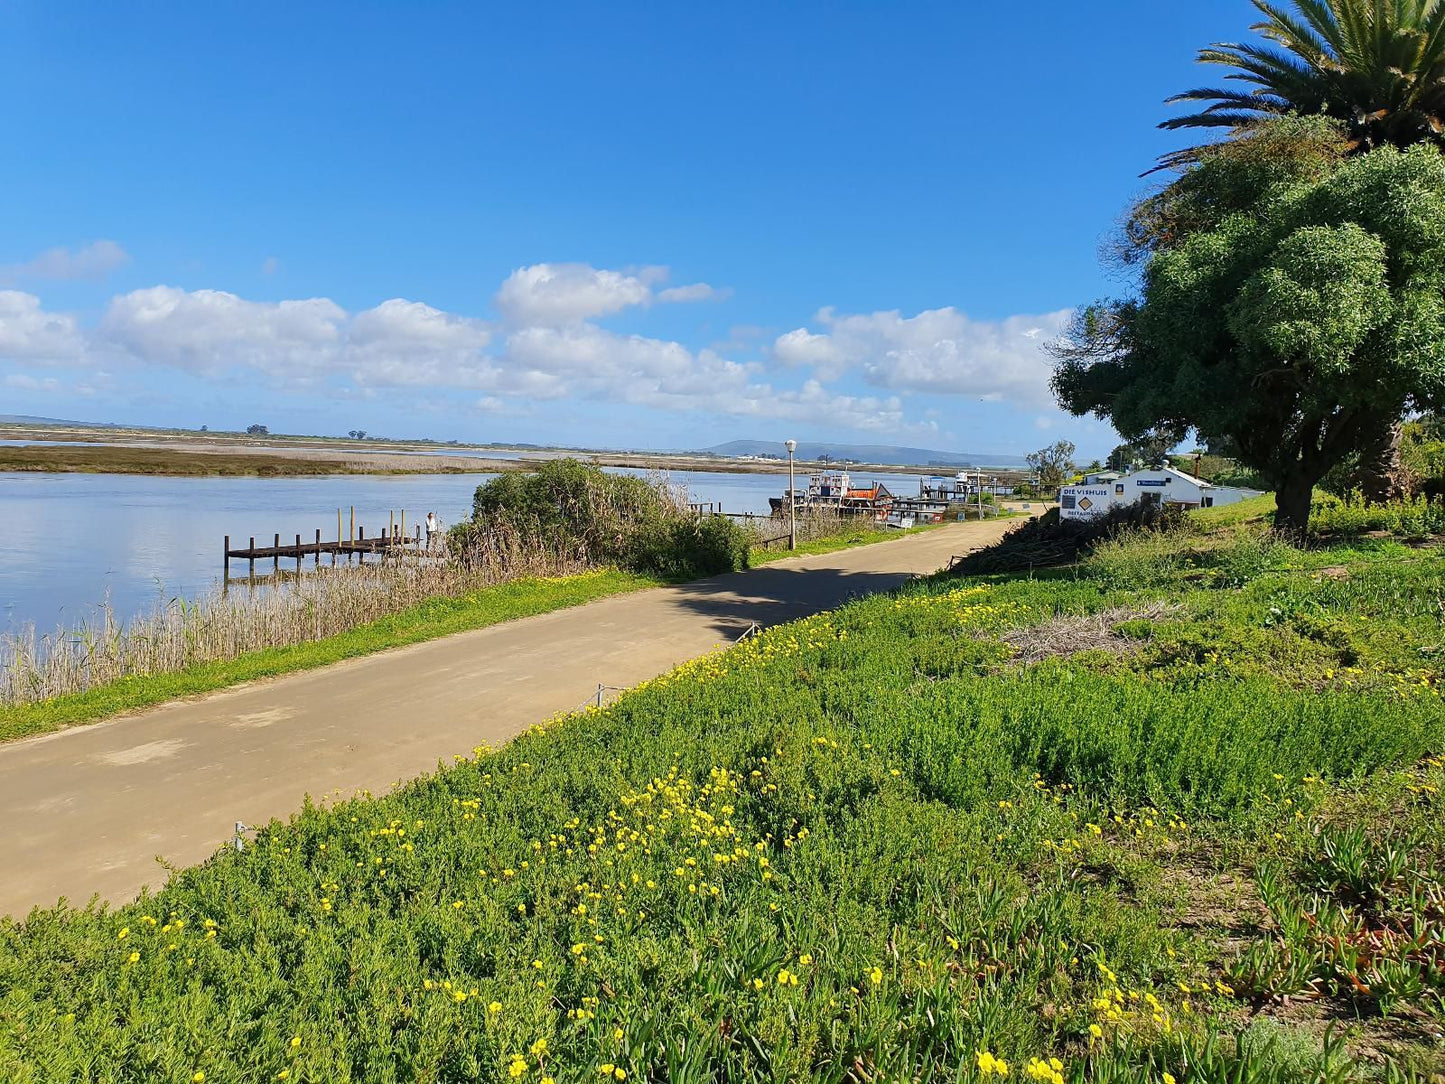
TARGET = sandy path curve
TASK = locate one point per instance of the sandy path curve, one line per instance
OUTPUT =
(89, 810)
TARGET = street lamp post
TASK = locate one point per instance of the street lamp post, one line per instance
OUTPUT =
(792, 446)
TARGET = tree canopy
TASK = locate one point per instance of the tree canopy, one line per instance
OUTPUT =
(1052, 464)
(1290, 305)
(1376, 67)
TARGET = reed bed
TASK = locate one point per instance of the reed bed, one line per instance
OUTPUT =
(179, 633)
(770, 532)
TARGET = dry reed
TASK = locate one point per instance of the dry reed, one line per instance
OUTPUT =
(224, 625)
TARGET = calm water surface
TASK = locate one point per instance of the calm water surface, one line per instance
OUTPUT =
(71, 541)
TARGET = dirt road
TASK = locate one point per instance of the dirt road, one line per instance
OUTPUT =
(90, 810)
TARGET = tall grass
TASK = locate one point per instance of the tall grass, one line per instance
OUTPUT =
(224, 625)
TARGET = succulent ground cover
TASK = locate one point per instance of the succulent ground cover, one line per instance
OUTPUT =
(899, 841)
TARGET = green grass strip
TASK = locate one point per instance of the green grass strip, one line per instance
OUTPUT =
(863, 536)
(428, 621)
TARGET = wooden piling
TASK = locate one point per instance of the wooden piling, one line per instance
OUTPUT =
(226, 560)
(251, 572)
(318, 547)
(276, 559)
(298, 558)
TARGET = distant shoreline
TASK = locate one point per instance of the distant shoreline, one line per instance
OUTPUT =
(198, 454)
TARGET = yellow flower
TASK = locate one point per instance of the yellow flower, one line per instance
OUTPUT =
(805, 959)
(295, 1041)
(617, 1034)
(198, 1077)
(1169, 1078)
(133, 957)
(518, 1066)
(495, 1007)
(989, 1065)
(876, 975)
(539, 1048)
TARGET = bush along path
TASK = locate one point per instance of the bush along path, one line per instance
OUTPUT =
(1201, 842)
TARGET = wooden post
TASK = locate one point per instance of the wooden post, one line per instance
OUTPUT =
(276, 555)
(338, 537)
(391, 532)
(226, 560)
(298, 558)
(361, 541)
(352, 536)
(252, 572)
(403, 521)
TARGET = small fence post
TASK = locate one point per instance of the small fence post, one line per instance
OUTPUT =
(251, 571)
(318, 547)
(298, 558)
(226, 560)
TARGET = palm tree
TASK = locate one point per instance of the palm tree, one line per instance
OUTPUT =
(1377, 66)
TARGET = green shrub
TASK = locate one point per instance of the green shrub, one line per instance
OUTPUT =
(682, 549)
(1411, 517)
(601, 519)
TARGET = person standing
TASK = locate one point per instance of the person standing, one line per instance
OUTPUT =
(432, 524)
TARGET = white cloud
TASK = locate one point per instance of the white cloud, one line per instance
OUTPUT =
(936, 351)
(561, 294)
(211, 331)
(29, 333)
(26, 382)
(550, 348)
(92, 261)
(698, 291)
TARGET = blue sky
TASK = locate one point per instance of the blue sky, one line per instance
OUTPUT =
(618, 225)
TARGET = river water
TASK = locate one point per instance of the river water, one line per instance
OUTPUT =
(74, 541)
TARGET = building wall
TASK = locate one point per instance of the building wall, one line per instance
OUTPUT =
(1170, 486)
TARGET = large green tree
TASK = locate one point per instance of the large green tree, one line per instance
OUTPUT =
(1290, 306)
(1376, 66)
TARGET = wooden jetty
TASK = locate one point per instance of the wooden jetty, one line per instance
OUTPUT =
(394, 541)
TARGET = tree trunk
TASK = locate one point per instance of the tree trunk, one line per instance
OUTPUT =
(1292, 506)
(1381, 474)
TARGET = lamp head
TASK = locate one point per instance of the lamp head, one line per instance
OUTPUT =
(791, 445)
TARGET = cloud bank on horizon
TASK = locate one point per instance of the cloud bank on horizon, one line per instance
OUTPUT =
(546, 341)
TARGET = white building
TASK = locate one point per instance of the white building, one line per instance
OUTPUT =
(1162, 485)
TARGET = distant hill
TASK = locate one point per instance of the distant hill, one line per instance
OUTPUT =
(871, 453)
(30, 419)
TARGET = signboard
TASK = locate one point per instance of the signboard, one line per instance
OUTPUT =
(1151, 481)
